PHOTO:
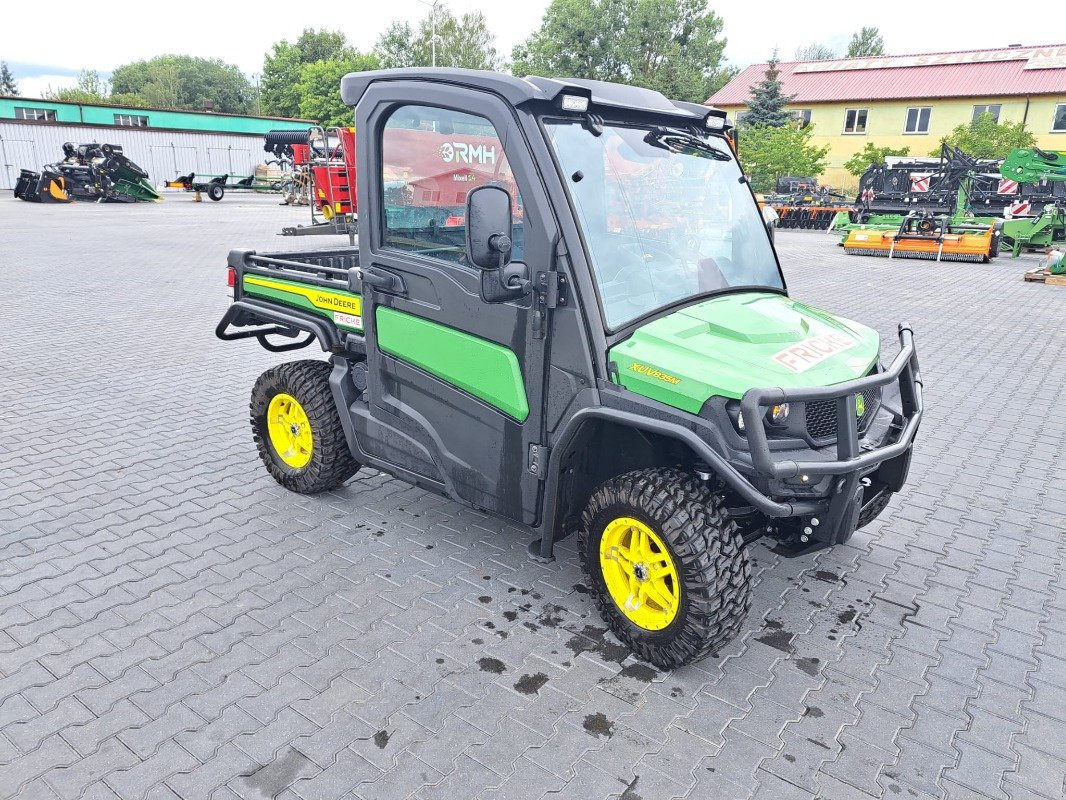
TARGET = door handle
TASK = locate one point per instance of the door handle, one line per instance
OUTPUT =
(382, 280)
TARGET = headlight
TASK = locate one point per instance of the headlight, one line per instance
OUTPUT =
(778, 414)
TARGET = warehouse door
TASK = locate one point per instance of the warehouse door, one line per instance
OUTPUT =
(16, 155)
(170, 160)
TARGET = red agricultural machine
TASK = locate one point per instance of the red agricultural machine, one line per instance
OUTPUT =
(428, 175)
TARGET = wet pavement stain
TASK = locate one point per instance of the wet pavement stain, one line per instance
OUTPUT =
(847, 616)
(640, 672)
(493, 665)
(814, 712)
(531, 684)
(598, 725)
(272, 779)
(826, 576)
(484, 599)
(808, 665)
(510, 616)
(381, 738)
(581, 588)
(779, 640)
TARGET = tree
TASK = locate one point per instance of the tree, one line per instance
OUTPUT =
(90, 88)
(8, 84)
(182, 82)
(672, 46)
(986, 138)
(281, 68)
(320, 87)
(767, 104)
(872, 154)
(867, 42)
(814, 52)
(464, 42)
(767, 152)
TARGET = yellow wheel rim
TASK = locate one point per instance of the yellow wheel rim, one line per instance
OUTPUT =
(290, 431)
(639, 573)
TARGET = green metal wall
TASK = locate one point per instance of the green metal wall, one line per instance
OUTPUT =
(172, 120)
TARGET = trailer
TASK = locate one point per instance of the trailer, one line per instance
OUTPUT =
(216, 186)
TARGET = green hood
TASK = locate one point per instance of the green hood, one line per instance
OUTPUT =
(729, 344)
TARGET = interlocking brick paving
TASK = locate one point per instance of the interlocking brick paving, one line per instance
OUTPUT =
(174, 624)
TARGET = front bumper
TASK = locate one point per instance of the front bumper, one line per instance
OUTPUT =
(855, 459)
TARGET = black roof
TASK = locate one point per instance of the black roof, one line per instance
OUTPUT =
(532, 88)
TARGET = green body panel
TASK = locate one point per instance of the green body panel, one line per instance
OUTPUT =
(487, 370)
(157, 118)
(307, 297)
(727, 345)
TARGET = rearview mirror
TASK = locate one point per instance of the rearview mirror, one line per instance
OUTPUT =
(488, 227)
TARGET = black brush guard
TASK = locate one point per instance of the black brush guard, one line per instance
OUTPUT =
(852, 462)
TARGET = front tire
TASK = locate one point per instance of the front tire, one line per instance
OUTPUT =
(667, 566)
(297, 429)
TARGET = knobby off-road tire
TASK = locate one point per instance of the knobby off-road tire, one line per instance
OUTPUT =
(873, 511)
(711, 561)
(331, 462)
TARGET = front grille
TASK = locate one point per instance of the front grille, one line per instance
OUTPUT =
(822, 415)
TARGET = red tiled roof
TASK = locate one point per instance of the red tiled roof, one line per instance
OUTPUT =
(973, 73)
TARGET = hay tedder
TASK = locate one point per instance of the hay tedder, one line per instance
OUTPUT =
(97, 172)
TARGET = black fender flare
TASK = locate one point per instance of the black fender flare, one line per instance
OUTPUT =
(714, 460)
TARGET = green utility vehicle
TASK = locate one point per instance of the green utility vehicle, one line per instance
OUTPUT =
(565, 310)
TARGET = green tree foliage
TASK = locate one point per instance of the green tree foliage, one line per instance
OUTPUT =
(319, 88)
(814, 52)
(767, 152)
(767, 104)
(867, 42)
(673, 46)
(986, 138)
(8, 85)
(91, 88)
(872, 154)
(463, 42)
(182, 82)
(283, 64)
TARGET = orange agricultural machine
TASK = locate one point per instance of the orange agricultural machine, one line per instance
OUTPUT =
(926, 236)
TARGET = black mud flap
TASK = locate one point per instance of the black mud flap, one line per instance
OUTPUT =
(893, 473)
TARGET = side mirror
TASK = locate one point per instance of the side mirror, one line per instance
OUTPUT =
(488, 227)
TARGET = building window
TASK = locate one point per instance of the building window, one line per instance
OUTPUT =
(35, 114)
(131, 120)
(855, 120)
(918, 120)
(802, 116)
(990, 109)
(1058, 125)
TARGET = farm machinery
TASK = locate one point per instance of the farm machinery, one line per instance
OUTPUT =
(801, 203)
(1028, 175)
(216, 186)
(323, 163)
(98, 172)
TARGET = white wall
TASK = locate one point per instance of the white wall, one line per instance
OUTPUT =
(164, 154)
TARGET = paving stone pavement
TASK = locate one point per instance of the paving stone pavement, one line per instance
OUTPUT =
(175, 625)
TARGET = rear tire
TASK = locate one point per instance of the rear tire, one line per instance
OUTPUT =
(317, 458)
(215, 192)
(712, 592)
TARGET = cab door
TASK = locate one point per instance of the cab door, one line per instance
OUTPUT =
(454, 383)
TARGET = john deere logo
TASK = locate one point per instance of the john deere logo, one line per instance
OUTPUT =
(860, 405)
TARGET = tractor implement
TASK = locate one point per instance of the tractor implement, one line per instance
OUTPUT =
(47, 186)
(934, 238)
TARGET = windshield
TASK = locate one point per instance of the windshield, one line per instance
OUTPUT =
(665, 216)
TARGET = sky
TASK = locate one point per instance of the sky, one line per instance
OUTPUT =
(241, 32)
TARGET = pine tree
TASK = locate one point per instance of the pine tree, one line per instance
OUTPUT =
(767, 104)
(8, 85)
